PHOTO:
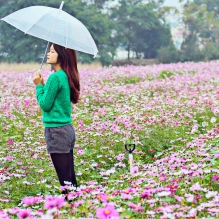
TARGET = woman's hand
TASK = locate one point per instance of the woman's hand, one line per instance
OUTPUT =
(38, 79)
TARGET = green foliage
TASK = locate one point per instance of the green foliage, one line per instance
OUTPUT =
(125, 80)
(190, 50)
(168, 54)
(200, 18)
(211, 52)
(165, 74)
(128, 80)
(139, 28)
(191, 53)
(132, 80)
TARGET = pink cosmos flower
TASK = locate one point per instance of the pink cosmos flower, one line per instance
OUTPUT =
(178, 198)
(215, 178)
(129, 190)
(79, 203)
(196, 187)
(10, 141)
(14, 210)
(107, 212)
(54, 202)
(120, 157)
(117, 192)
(26, 102)
(134, 170)
(31, 200)
(103, 197)
(136, 208)
(145, 194)
(24, 213)
(80, 151)
(9, 157)
(126, 197)
(163, 177)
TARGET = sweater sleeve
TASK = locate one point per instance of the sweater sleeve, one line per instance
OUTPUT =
(46, 94)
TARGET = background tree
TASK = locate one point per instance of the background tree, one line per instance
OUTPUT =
(201, 33)
(201, 29)
(17, 48)
(139, 29)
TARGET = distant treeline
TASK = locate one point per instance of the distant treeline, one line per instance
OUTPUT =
(137, 26)
(200, 28)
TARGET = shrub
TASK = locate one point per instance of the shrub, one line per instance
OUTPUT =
(168, 54)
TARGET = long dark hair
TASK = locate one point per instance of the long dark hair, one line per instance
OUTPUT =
(68, 62)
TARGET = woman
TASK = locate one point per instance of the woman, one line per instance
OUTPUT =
(54, 98)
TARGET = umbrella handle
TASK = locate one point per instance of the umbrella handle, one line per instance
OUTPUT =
(30, 78)
(60, 8)
(44, 56)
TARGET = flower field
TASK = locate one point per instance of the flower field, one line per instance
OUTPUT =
(169, 111)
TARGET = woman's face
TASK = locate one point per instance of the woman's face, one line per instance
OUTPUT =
(52, 56)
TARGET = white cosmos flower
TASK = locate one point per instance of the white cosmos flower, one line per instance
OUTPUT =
(164, 193)
(190, 198)
(211, 194)
(213, 120)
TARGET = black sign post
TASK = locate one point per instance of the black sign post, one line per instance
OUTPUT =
(130, 148)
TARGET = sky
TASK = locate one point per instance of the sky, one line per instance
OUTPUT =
(174, 3)
(178, 5)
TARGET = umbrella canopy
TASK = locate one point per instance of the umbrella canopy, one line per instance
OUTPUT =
(53, 25)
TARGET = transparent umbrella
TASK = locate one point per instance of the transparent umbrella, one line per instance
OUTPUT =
(53, 25)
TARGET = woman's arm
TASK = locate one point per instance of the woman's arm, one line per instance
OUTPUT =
(46, 94)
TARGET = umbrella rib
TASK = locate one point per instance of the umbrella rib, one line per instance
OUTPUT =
(37, 21)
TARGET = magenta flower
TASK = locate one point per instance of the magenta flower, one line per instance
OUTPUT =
(54, 202)
(26, 102)
(107, 212)
(215, 178)
(31, 200)
(24, 213)
(10, 141)
(117, 192)
(129, 190)
(103, 197)
(145, 194)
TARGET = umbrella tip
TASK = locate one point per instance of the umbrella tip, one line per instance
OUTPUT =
(61, 5)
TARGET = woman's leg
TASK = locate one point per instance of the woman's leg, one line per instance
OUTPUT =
(62, 164)
(73, 176)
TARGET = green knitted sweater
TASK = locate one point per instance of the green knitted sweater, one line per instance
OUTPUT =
(54, 100)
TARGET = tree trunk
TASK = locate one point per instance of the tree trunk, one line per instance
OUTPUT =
(129, 51)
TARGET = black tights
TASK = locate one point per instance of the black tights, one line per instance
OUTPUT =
(64, 166)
